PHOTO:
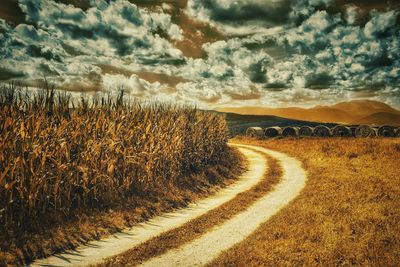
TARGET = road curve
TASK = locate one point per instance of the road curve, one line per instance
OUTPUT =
(96, 251)
(203, 250)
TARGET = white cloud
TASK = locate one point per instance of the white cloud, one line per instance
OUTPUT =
(357, 67)
(137, 87)
(380, 23)
(351, 14)
(175, 32)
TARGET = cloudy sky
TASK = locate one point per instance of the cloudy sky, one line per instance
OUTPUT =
(212, 53)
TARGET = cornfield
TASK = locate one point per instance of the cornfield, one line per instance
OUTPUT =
(59, 155)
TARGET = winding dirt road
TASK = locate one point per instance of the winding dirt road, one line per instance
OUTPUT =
(206, 248)
(203, 250)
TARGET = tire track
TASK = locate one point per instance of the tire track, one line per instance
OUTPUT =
(203, 250)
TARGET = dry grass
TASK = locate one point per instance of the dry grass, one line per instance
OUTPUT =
(63, 167)
(348, 214)
(198, 227)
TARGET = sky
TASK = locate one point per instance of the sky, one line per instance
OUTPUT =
(210, 53)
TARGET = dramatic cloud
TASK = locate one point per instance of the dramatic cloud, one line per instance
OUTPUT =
(326, 55)
(65, 41)
(276, 52)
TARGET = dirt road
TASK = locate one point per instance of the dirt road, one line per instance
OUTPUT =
(203, 250)
(96, 251)
(219, 238)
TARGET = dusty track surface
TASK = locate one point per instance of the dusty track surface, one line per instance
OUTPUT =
(96, 251)
(203, 250)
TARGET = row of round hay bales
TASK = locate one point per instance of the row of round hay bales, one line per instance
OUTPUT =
(324, 131)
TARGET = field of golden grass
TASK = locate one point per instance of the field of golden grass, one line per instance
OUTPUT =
(72, 171)
(348, 214)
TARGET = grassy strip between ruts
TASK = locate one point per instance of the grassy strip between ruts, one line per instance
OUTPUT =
(196, 228)
(348, 214)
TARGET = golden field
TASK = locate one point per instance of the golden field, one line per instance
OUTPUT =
(348, 214)
(94, 166)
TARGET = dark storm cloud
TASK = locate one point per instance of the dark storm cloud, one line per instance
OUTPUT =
(221, 76)
(318, 80)
(131, 15)
(8, 74)
(257, 72)
(124, 44)
(275, 12)
(165, 59)
(47, 70)
(275, 86)
(37, 51)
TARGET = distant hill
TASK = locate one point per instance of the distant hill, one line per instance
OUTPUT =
(320, 114)
(380, 118)
(361, 107)
(345, 112)
(238, 124)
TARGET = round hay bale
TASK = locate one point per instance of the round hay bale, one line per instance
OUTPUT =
(322, 131)
(386, 131)
(365, 131)
(273, 131)
(290, 131)
(398, 132)
(353, 130)
(341, 131)
(254, 132)
(305, 131)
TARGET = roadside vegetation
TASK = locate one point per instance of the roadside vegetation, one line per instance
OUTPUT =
(348, 214)
(73, 170)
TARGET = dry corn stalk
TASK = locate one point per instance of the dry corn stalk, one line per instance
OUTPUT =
(55, 159)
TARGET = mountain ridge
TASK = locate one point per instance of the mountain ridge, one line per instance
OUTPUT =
(344, 112)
